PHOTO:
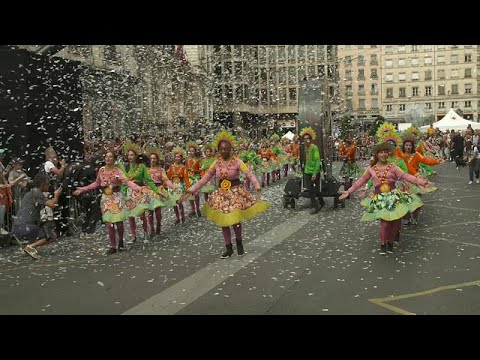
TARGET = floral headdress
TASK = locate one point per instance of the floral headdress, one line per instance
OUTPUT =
(224, 136)
(178, 150)
(128, 146)
(191, 144)
(414, 131)
(385, 128)
(208, 146)
(309, 131)
(390, 136)
(407, 136)
(156, 151)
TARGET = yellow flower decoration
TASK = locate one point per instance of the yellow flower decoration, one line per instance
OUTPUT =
(390, 136)
(225, 184)
(224, 136)
(128, 146)
(385, 128)
(156, 151)
(309, 131)
(190, 144)
(178, 150)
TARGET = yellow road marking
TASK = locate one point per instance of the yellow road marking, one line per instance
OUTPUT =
(382, 301)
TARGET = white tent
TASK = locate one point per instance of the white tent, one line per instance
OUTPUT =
(452, 121)
(403, 126)
(289, 135)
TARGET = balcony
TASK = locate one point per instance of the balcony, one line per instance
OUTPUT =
(373, 92)
(373, 62)
(361, 78)
(362, 93)
(360, 63)
(374, 77)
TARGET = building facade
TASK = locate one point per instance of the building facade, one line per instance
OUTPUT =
(140, 88)
(361, 81)
(257, 86)
(420, 83)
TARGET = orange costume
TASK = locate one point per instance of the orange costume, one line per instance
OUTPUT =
(412, 161)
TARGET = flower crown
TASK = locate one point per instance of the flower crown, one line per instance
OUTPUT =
(390, 136)
(407, 136)
(190, 144)
(384, 128)
(156, 151)
(309, 131)
(178, 150)
(224, 136)
(131, 147)
(413, 131)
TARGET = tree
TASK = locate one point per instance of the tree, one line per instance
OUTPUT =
(346, 127)
(374, 127)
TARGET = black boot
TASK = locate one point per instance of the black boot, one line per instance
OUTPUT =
(121, 246)
(240, 250)
(227, 253)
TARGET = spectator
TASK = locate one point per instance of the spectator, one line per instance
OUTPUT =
(28, 224)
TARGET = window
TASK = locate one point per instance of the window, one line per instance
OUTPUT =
(401, 48)
(238, 70)
(360, 46)
(292, 93)
(401, 76)
(348, 74)
(263, 97)
(468, 104)
(321, 71)
(415, 76)
(415, 91)
(301, 54)
(468, 57)
(237, 50)
(441, 74)
(373, 46)
(361, 89)
(455, 89)
(348, 60)
(238, 94)
(111, 55)
(291, 54)
(373, 59)
(281, 54)
(441, 105)
(282, 75)
(348, 47)
(402, 92)
(428, 47)
(468, 88)
(441, 47)
(441, 89)
(402, 107)
(349, 90)
(389, 63)
(361, 74)
(414, 61)
(414, 48)
(428, 74)
(361, 60)
(373, 74)
(273, 96)
(373, 89)
(428, 59)
(454, 74)
(361, 104)
(441, 59)
(401, 62)
(374, 104)
(468, 73)
(389, 107)
(389, 49)
(428, 91)
(454, 104)
(311, 52)
(428, 106)
(389, 92)
(453, 59)
(282, 95)
(389, 77)
(262, 54)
